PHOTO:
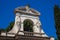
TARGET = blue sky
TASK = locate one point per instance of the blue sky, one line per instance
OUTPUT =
(45, 7)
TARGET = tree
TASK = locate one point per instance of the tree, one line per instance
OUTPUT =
(10, 26)
(57, 20)
(2, 30)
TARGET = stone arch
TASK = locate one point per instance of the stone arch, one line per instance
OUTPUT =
(28, 25)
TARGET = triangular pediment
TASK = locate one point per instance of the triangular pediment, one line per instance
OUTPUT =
(27, 10)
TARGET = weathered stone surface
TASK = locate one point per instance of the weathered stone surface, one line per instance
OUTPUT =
(23, 37)
(18, 33)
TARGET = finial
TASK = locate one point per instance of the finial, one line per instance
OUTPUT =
(27, 7)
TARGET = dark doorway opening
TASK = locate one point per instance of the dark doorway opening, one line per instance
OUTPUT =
(28, 25)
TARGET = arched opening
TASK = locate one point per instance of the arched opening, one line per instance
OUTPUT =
(28, 25)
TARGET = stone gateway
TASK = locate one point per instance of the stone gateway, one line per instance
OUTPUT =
(27, 26)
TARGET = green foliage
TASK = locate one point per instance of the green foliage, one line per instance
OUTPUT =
(56, 39)
(2, 30)
(10, 26)
(57, 20)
